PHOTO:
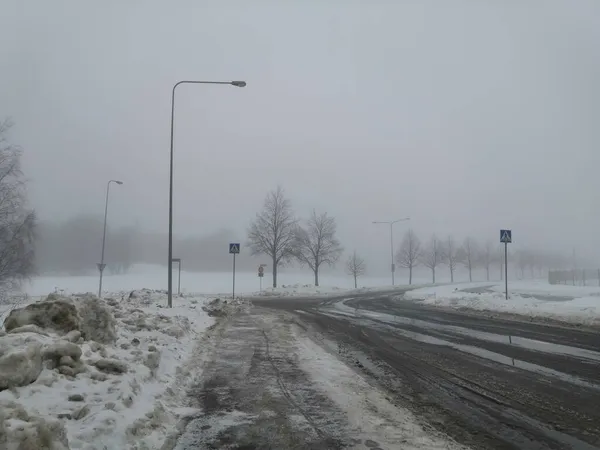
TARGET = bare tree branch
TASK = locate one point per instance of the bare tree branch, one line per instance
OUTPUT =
(17, 222)
(431, 256)
(467, 255)
(273, 232)
(316, 244)
(409, 254)
(355, 266)
(450, 255)
(486, 257)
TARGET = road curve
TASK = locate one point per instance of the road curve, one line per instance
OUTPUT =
(487, 382)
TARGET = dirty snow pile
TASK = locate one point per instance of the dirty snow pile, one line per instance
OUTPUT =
(584, 310)
(299, 290)
(79, 372)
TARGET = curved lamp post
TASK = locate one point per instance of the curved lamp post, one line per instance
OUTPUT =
(170, 263)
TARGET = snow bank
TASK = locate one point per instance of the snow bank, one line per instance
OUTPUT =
(80, 393)
(299, 290)
(584, 310)
(443, 290)
(543, 288)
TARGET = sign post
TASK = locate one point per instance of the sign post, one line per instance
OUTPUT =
(178, 261)
(261, 274)
(101, 267)
(234, 249)
(506, 238)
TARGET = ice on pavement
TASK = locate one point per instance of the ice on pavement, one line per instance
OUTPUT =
(123, 394)
(583, 309)
(370, 415)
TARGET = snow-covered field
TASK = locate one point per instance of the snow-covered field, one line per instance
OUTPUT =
(574, 304)
(155, 277)
(543, 288)
(114, 382)
(300, 290)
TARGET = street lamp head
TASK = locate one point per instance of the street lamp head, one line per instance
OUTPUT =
(238, 83)
(118, 182)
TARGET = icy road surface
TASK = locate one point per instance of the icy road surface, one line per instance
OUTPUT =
(269, 382)
(487, 382)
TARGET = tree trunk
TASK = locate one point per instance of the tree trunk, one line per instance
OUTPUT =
(355, 284)
(274, 273)
(487, 273)
(451, 275)
(470, 274)
(410, 275)
(433, 274)
(316, 277)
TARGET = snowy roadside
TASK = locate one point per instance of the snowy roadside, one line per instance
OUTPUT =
(81, 373)
(310, 290)
(372, 418)
(543, 288)
(298, 290)
(583, 310)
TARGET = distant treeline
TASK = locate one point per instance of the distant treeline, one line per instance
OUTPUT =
(575, 277)
(74, 247)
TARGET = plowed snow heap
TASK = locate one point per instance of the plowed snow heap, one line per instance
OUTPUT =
(46, 333)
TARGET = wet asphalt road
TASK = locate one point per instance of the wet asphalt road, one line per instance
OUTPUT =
(487, 382)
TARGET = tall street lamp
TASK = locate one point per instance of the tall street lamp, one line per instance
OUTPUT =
(391, 224)
(170, 263)
(101, 265)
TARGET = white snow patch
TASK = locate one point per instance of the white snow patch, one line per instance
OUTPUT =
(300, 290)
(543, 288)
(309, 290)
(370, 414)
(132, 410)
(582, 310)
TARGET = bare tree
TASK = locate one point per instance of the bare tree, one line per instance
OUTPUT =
(409, 254)
(356, 267)
(468, 255)
(432, 255)
(486, 257)
(17, 221)
(315, 243)
(274, 230)
(450, 255)
(523, 261)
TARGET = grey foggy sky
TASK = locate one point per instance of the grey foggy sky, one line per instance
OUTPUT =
(466, 115)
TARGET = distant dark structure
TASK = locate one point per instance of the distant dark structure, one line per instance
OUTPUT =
(575, 277)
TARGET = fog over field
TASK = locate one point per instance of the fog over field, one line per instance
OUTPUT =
(466, 117)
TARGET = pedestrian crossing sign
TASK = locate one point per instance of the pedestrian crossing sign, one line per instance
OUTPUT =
(506, 236)
(234, 248)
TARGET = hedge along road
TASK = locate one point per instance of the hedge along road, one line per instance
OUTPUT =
(490, 383)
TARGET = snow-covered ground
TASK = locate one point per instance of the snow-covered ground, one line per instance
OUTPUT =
(574, 304)
(122, 393)
(543, 288)
(215, 283)
(298, 290)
